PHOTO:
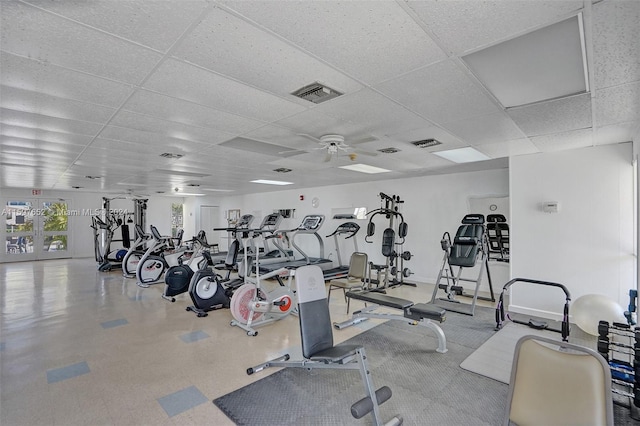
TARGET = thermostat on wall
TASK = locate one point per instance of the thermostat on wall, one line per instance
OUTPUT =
(550, 206)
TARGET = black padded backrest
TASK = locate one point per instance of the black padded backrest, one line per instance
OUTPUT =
(473, 219)
(316, 331)
(232, 254)
(496, 218)
(139, 231)
(466, 245)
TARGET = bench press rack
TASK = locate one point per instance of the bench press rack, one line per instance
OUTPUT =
(414, 314)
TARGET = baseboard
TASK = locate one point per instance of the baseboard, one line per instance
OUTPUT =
(535, 312)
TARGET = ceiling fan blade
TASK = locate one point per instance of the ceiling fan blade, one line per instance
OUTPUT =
(363, 140)
(371, 154)
(309, 137)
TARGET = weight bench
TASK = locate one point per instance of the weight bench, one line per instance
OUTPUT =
(417, 314)
(318, 350)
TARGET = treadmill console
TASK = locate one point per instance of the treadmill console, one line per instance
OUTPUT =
(311, 223)
(272, 221)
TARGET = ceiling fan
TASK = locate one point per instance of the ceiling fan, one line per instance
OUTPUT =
(334, 144)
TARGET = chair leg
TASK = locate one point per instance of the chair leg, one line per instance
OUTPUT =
(344, 293)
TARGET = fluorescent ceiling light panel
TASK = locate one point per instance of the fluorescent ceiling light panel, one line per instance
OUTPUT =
(181, 194)
(545, 64)
(364, 168)
(462, 155)
(216, 190)
(271, 182)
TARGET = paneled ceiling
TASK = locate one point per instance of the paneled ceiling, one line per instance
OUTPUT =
(93, 92)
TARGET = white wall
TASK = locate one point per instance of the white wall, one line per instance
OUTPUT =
(589, 244)
(433, 205)
(80, 232)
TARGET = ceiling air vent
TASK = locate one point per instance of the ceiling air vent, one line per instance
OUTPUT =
(389, 150)
(426, 143)
(316, 93)
(193, 184)
(170, 155)
(282, 170)
(92, 177)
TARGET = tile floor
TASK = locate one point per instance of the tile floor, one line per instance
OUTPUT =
(82, 347)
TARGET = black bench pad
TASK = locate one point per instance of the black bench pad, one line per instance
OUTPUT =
(381, 299)
(426, 310)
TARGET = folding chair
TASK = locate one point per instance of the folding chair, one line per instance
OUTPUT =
(355, 278)
(318, 349)
(558, 383)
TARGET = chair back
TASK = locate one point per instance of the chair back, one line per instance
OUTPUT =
(557, 383)
(316, 331)
(358, 265)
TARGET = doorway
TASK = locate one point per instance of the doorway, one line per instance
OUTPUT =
(209, 219)
(35, 229)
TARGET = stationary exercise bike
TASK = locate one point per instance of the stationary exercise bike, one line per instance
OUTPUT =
(206, 289)
(159, 256)
(251, 305)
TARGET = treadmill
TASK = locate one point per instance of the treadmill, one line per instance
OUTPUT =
(268, 232)
(309, 226)
(350, 229)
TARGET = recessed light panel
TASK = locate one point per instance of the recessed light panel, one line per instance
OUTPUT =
(271, 182)
(364, 168)
(545, 64)
(462, 155)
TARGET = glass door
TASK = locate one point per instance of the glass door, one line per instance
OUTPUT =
(34, 229)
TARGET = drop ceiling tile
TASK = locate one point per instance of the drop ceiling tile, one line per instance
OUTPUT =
(440, 92)
(564, 141)
(152, 138)
(618, 104)
(30, 32)
(374, 112)
(198, 85)
(46, 78)
(616, 133)
(46, 123)
(298, 166)
(508, 148)
(489, 128)
(349, 35)
(174, 146)
(616, 25)
(166, 128)
(469, 24)
(39, 103)
(38, 137)
(157, 24)
(180, 111)
(555, 116)
(231, 46)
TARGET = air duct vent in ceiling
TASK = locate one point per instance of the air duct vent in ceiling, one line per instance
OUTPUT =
(282, 170)
(193, 184)
(92, 177)
(390, 150)
(316, 93)
(426, 143)
(170, 155)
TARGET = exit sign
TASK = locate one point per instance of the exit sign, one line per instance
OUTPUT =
(36, 192)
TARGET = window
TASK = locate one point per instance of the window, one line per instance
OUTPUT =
(177, 218)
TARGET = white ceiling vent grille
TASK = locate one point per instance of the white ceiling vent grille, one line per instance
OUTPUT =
(426, 143)
(316, 93)
(389, 150)
(282, 170)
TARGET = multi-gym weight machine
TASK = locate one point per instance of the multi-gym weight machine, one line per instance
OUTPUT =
(393, 272)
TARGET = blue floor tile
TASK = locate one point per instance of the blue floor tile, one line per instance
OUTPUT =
(182, 401)
(63, 373)
(114, 323)
(194, 336)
